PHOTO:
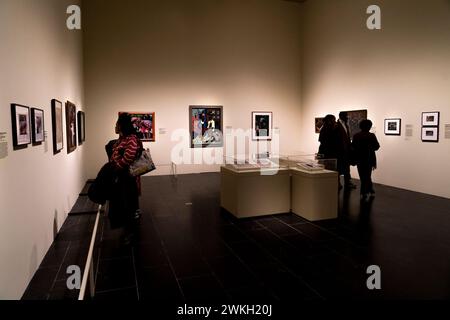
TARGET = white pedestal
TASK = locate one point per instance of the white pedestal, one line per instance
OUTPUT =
(314, 194)
(248, 193)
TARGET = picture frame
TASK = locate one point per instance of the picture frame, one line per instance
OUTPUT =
(262, 126)
(21, 125)
(37, 125)
(57, 126)
(354, 118)
(430, 134)
(430, 119)
(71, 126)
(144, 124)
(205, 126)
(318, 124)
(392, 127)
(81, 127)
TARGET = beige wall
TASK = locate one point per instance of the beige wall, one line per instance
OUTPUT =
(163, 56)
(397, 72)
(40, 60)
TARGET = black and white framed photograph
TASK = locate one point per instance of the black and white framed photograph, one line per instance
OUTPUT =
(71, 126)
(57, 126)
(430, 134)
(261, 126)
(81, 127)
(430, 119)
(20, 117)
(392, 127)
(37, 125)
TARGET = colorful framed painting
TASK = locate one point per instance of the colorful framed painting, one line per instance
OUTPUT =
(144, 124)
(57, 126)
(205, 126)
(81, 127)
(20, 118)
(392, 127)
(71, 126)
(261, 126)
(430, 134)
(354, 118)
(430, 119)
(37, 125)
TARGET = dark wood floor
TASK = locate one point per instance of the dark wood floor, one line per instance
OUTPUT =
(189, 250)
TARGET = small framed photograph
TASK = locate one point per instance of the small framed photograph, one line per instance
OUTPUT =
(430, 134)
(57, 126)
(71, 126)
(430, 119)
(318, 123)
(392, 127)
(261, 126)
(81, 127)
(20, 117)
(37, 125)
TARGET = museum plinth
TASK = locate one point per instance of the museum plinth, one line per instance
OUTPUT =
(314, 194)
(258, 192)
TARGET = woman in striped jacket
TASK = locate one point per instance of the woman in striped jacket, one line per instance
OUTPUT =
(125, 202)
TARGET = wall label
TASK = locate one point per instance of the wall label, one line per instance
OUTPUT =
(162, 130)
(3, 145)
(408, 131)
(447, 131)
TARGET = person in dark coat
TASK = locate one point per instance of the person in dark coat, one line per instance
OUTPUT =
(365, 144)
(125, 200)
(327, 138)
(344, 149)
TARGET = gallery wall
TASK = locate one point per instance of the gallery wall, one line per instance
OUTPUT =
(399, 71)
(163, 56)
(41, 60)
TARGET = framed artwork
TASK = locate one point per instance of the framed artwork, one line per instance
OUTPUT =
(261, 125)
(81, 127)
(205, 126)
(37, 125)
(430, 119)
(71, 126)
(354, 118)
(144, 124)
(57, 126)
(430, 134)
(392, 127)
(20, 117)
(318, 123)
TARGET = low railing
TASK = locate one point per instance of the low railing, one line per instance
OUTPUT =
(88, 273)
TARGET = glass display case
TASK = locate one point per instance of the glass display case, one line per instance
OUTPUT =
(257, 161)
(311, 162)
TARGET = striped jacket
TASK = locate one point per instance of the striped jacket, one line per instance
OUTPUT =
(125, 151)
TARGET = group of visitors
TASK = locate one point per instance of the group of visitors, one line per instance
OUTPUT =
(337, 142)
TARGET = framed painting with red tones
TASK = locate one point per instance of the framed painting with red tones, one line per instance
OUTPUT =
(144, 124)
